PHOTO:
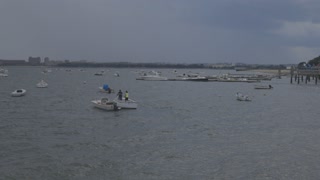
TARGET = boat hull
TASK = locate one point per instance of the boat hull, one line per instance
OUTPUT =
(42, 85)
(152, 78)
(241, 97)
(263, 87)
(129, 104)
(108, 106)
(18, 93)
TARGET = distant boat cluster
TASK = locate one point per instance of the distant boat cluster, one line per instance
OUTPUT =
(3, 72)
(249, 78)
(119, 102)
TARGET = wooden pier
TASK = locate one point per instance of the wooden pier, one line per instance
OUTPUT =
(305, 75)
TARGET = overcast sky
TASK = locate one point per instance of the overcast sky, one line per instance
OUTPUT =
(185, 31)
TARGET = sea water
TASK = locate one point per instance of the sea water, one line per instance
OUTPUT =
(181, 129)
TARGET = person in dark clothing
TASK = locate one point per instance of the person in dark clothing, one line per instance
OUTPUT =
(120, 94)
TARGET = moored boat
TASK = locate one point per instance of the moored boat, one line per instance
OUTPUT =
(19, 92)
(241, 97)
(3, 72)
(154, 76)
(42, 84)
(106, 89)
(126, 104)
(263, 87)
(105, 104)
(99, 73)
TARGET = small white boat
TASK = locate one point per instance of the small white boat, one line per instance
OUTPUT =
(3, 72)
(241, 97)
(47, 71)
(116, 74)
(42, 84)
(154, 76)
(18, 93)
(99, 73)
(105, 104)
(126, 104)
(263, 87)
(198, 78)
(3, 75)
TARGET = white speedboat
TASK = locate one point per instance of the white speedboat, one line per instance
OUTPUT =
(198, 78)
(18, 93)
(126, 104)
(3, 72)
(3, 75)
(116, 74)
(155, 76)
(42, 84)
(47, 71)
(105, 104)
(241, 97)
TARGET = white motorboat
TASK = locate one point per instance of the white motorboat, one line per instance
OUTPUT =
(198, 78)
(3, 75)
(155, 76)
(3, 72)
(42, 84)
(241, 97)
(126, 104)
(47, 71)
(105, 104)
(263, 87)
(18, 93)
(116, 74)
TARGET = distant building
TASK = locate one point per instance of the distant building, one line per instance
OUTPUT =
(46, 61)
(12, 62)
(34, 61)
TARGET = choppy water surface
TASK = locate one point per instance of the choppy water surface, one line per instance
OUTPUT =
(181, 130)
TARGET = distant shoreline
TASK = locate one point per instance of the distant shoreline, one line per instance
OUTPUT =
(271, 71)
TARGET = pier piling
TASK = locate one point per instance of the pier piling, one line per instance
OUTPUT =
(305, 74)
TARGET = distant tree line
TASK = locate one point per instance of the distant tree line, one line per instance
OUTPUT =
(313, 62)
(161, 65)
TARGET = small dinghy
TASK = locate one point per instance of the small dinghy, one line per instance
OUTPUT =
(106, 89)
(241, 97)
(263, 87)
(105, 104)
(18, 93)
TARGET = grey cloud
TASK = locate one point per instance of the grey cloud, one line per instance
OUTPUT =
(153, 31)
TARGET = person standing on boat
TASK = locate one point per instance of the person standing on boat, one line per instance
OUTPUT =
(120, 94)
(126, 96)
